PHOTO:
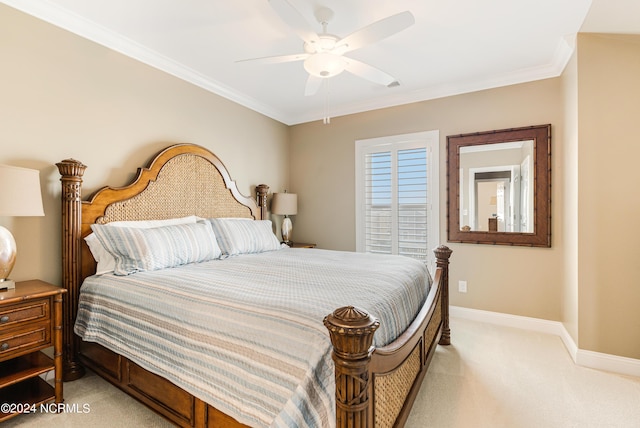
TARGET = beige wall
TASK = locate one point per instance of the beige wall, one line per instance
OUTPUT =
(608, 201)
(63, 96)
(515, 280)
(569, 176)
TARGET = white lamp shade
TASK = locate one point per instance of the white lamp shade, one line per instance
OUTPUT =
(20, 193)
(284, 204)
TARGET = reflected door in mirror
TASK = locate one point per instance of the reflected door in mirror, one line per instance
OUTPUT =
(494, 187)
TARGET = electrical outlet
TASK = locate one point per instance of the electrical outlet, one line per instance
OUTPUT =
(462, 286)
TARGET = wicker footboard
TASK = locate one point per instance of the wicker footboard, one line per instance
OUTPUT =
(377, 387)
(392, 390)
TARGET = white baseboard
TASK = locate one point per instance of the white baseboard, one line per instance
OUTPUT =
(594, 360)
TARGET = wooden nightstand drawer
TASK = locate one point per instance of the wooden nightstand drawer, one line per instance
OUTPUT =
(19, 341)
(24, 312)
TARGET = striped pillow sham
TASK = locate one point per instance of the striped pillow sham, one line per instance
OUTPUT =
(104, 260)
(138, 250)
(244, 236)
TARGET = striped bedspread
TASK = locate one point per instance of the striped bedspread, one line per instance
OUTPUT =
(245, 334)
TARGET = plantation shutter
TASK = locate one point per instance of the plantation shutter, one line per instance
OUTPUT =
(395, 196)
(379, 205)
(412, 203)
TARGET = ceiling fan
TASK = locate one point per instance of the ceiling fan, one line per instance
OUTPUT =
(323, 54)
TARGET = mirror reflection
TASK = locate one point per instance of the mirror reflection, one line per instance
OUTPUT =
(496, 187)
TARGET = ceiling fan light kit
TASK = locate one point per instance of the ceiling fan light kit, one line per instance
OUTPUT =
(325, 65)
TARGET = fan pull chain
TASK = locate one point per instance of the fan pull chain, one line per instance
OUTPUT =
(326, 120)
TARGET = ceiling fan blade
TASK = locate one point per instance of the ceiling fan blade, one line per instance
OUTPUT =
(313, 85)
(370, 73)
(295, 20)
(374, 32)
(277, 59)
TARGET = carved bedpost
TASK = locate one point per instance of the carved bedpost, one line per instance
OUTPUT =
(351, 331)
(71, 171)
(261, 196)
(442, 261)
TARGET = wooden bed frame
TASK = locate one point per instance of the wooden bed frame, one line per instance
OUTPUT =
(374, 387)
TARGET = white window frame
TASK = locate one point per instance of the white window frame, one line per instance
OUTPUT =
(427, 139)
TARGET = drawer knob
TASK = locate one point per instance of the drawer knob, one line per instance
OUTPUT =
(4, 346)
(4, 318)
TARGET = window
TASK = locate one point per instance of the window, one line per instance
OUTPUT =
(397, 195)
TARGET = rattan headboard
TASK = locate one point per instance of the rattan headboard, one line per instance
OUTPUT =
(181, 180)
(186, 184)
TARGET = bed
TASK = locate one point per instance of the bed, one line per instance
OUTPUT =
(370, 368)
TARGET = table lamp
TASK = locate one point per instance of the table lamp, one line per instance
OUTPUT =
(285, 204)
(20, 196)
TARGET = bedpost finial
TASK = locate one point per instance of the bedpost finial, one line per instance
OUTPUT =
(351, 331)
(443, 253)
(261, 191)
(350, 316)
(71, 168)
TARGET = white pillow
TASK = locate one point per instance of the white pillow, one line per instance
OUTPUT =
(146, 249)
(244, 236)
(105, 261)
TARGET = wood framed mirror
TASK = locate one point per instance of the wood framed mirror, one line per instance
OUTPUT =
(499, 187)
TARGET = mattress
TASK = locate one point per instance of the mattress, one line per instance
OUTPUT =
(245, 334)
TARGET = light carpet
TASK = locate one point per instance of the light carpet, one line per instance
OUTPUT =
(491, 376)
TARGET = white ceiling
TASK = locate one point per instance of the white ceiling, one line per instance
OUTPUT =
(455, 46)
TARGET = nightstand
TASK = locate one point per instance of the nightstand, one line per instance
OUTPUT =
(30, 321)
(301, 245)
